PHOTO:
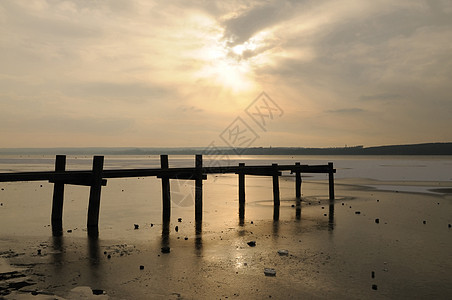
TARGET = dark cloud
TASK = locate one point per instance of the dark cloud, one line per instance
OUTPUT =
(259, 16)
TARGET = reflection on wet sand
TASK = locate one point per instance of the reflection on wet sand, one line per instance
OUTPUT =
(93, 250)
(298, 209)
(58, 253)
(331, 216)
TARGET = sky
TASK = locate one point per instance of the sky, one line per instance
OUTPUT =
(143, 73)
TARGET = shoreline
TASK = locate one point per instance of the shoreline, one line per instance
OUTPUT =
(332, 252)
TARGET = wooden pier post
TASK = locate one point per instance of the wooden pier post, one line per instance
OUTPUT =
(297, 181)
(166, 193)
(58, 197)
(94, 194)
(331, 180)
(241, 184)
(198, 188)
(241, 194)
(275, 185)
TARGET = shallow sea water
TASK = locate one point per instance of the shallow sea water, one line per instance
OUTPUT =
(333, 247)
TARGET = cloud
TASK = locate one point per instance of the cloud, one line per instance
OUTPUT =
(346, 111)
(379, 97)
(141, 65)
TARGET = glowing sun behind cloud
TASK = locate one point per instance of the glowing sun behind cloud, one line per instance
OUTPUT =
(224, 64)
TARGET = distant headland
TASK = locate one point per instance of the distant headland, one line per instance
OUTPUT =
(411, 149)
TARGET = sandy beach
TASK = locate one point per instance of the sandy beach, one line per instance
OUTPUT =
(370, 243)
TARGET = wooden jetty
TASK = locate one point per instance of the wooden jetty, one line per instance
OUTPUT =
(97, 177)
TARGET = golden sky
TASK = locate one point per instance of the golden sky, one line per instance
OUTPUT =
(179, 73)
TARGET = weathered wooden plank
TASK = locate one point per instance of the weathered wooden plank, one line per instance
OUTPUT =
(241, 185)
(166, 193)
(297, 182)
(58, 198)
(331, 180)
(82, 181)
(94, 193)
(276, 200)
(198, 188)
(182, 176)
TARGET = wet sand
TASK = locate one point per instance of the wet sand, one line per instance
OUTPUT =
(368, 243)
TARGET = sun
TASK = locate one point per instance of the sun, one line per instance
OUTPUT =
(226, 65)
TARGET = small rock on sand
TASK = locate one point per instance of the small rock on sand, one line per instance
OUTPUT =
(269, 272)
(176, 228)
(141, 267)
(357, 212)
(283, 252)
(252, 243)
(136, 226)
(166, 249)
(374, 287)
(179, 220)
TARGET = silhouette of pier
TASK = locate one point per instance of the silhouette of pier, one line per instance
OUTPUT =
(97, 177)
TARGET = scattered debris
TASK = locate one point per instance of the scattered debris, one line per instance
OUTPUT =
(69, 230)
(357, 212)
(98, 292)
(166, 249)
(269, 272)
(283, 252)
(252, 243)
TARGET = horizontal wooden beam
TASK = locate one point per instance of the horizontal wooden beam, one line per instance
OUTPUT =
(181, 176)
(83, 181)
(80, 176)
(260, 173)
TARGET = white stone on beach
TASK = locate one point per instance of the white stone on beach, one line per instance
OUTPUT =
(283, 252)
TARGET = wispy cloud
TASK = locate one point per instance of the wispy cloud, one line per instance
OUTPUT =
(140, 65)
